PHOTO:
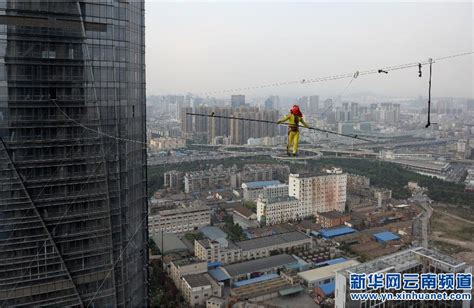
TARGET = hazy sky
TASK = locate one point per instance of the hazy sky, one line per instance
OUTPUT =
(200, 47)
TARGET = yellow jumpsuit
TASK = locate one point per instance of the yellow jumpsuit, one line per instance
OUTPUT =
(293, 131)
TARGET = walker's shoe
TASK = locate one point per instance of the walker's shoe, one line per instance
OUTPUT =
(288, 153)
(295, 154)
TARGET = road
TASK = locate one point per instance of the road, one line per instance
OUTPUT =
(463, 244)
(425, 223)
(456, 173)
(424, 219)
(456, 217)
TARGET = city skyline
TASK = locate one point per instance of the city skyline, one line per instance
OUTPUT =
(210, 47)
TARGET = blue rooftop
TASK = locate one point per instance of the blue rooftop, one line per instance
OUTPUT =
(214, 264)
(256, 279)
(328, 288)
(261, 184)
(328, 233)
(330, 262)
(218, 274)
(385, 236)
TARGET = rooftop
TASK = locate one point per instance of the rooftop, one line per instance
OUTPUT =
(313, 174)
(406, 259)
(251, 266)
(197, 280)
(328, 288)
(336, 231)
(259, 184)
(242, 210)
(332, 214)
(172, 242)
(213, 233)
(330, 262)
(271, 240)
(218, 274)
(184, 210)
(183, 262)
(385, 236)
(326, 271)
(291, 290)
(255, 280)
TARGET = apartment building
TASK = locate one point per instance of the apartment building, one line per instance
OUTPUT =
(278, 210)
(196, 181)
(319, 193)
(173, 180)
(217, 251)
(260, 172)
(180, 218)
(241, 131)
(166, 143)
(265, 189)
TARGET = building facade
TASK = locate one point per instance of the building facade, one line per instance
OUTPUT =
(197, 181)
(198, 288)
(260, 172)
(180, 219)
(237, 100)
(216, 251)
(73, 210)
(166, 143)
(277, 210)
(173, 180)
(332, 219)
(319, 193)
(266, 189)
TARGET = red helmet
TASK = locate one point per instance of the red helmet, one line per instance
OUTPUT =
(296, 111)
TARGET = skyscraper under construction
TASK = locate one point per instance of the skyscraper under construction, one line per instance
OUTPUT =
(72, 154)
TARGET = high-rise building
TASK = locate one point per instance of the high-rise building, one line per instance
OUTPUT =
(303, 103)
(186, 120)
(241, 131)
(269, 104)
(319, 193)
(328, 104)
(354, 110)
(201, 123)
(272, 102)
(73, 227)
(313, 104)
(220, 126)
(470, 105)
(237, 101)
(279, 210)
(180, 104)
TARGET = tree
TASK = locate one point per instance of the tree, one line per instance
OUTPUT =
(154, 250)
(251, 205)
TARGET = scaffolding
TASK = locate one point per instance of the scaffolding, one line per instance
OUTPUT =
(71, 199)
